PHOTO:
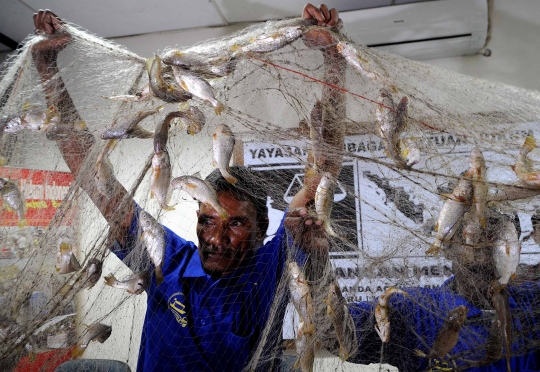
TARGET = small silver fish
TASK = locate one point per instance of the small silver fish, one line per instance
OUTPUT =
(211, 68)
(381, 313)
(153, 237)
(66, 262)
(96, 331)
(324, 200)
(523, 167)
(145, 94)
(11, 195)
(477, 165)
(127, 127)
(34, 120)
(160, 179)
(451, 213)
(506, 251)
(447, 337)
(105, 179)
(338, 312)
(200, 190)
(301, 296)
(193, 120)
(350, 54)
(93, 272)
(133, 284)
(223, 146)
(392, 121)
(197, 86)
(162, 88)
(472, 229)
(269, 43)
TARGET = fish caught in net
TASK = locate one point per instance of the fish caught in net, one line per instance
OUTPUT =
(415, 193)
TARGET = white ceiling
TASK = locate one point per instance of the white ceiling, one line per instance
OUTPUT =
(132, 17)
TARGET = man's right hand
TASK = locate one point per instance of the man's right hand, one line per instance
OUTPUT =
(48, 23)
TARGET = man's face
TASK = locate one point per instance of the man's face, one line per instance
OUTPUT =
(223, 245)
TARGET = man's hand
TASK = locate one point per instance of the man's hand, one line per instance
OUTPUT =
(48, 23)
(307, 230)
(323, 16)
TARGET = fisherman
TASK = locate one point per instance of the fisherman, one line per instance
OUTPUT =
(216, 298)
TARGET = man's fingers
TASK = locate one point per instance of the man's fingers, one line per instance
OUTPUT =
(333, 19)
(325, 12)
(311, 11)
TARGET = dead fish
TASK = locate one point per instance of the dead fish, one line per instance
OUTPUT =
(269, 43)
(11, 195)
(392, 121)
(193, 120)
(506, 252)
(352, 57)
(145, 94)
(338, 312)
(161, 87)
(472, 229)
(200, 190)
(305, 350)
(160, 179)
(66, 262)
(523, 167)
(535, 221)
(223, 146)
(216, 67)
(197, 86)
(324, 200)
(133, 284)
(502, 308)
(154, 239)
(34, 120)
(448, 335)
(477, 167)
(301, 296)
(105, 179)
(127, 127)
(454, 208)
(93, 272)
(381, 313)
(96, 331)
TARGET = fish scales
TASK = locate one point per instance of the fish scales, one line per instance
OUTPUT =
(162, 88)
(223, 147)
(133, 284)
(154, 240)
(200, 190)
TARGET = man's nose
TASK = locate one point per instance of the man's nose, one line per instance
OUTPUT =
(218, 235)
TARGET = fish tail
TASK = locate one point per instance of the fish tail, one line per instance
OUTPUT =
(166, 207)
(434, 249)
(77, 352)
(230, 178)
(419, 353)
(218, 107)
(329, 230)
(483, 221)
(343, 353)
(22, 223)
(110, 280)
(530, 143)
(159, 275)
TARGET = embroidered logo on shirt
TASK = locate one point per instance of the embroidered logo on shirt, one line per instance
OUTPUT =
(178, 308)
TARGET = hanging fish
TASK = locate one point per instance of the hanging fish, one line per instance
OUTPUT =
(452, 211)
(472, 229)
(448, 335)
(305, 350)
(502, 308)
(523, 167)
(154, 240)
(197, 86)
(92, 272)
(477, 165)
(96, 331)
(105, 179)
(338, 312)
(269, 43)
(34, 120)
(324, 200)
(11, 195)
(506, 252)
(350, 54)
(301, 296)
(127, 127)
(494, 345)
(66, 262)
(211, 68)
(133, 284)
(161, 87)
(145, 94)
(193, 120)
(381, 313)
(223, 146)
(200, 190)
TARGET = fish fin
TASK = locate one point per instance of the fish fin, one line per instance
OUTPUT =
(419, 353)
(437, 226)
(149, 62)
(184, 86)
(434, 250)
(139, 132)
(191, 185)
(231, 179)
(183, 106)
(513, 167)
(218, 108)
(329, 230)
(22, 223)
(78, 352)
(343, 353)
(223, 214)
(447, 196)
(166, 207)
(530, 143)
(235, 47)
(197, 175)
(159, 275)
(513, 276)
(110, 280)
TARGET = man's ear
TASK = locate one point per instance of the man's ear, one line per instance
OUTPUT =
(263, 227)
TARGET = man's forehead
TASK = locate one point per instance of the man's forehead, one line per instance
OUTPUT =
(235, 206)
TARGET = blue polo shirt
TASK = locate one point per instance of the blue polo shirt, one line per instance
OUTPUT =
(195, 322)
(416, 321)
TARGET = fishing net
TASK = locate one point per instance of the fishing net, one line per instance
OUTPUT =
(393, 140)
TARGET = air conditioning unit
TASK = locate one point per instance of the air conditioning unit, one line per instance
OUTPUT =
(425, 30)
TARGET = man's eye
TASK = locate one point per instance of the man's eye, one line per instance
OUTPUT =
(236, 224)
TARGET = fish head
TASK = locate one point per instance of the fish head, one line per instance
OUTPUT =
(224, 244)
